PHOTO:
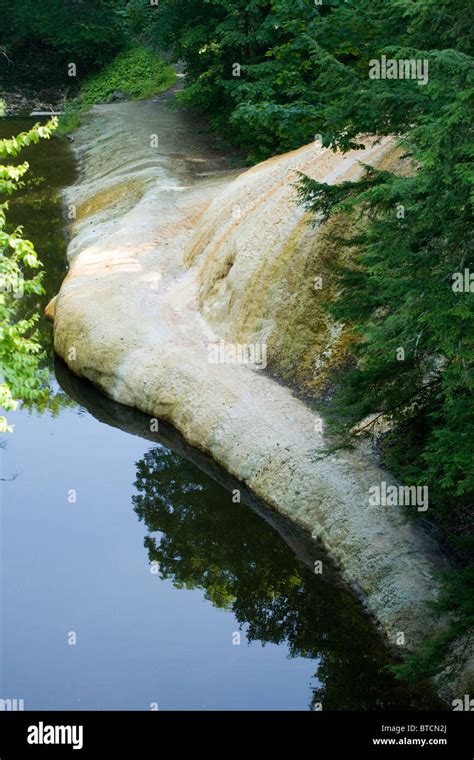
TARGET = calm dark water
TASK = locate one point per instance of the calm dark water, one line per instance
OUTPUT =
(128, 575)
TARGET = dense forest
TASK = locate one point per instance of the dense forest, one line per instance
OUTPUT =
(271, 77)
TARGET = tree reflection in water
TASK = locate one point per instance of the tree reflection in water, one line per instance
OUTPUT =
(207, 542)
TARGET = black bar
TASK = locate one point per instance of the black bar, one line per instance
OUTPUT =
(138, 734)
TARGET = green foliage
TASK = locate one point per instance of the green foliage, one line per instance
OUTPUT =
(20, 351)
(86, 32)
(403, 276)
(136, 73)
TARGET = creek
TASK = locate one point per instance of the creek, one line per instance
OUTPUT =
(129, 577)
